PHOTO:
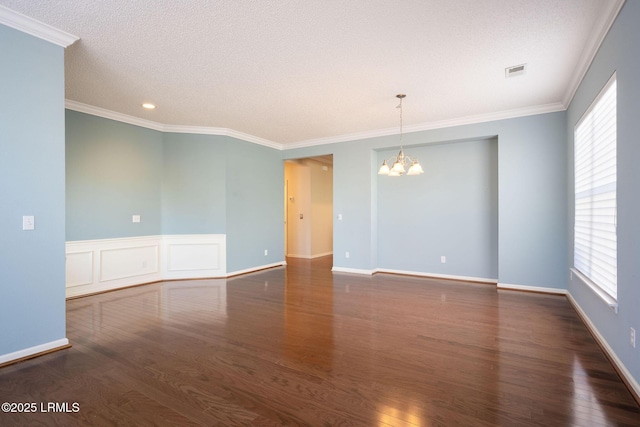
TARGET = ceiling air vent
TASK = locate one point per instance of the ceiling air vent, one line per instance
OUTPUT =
(516, 70)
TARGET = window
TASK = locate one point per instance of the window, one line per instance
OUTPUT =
(595, 241)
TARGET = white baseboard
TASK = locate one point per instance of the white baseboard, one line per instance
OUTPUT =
(299, 256)
(314, 256)
(32, 351)
(620, 367)
(352, 270)
(321, 255)
(453, 277)
(436, 276)
(106, 264)
(258, 268)
(538, 289)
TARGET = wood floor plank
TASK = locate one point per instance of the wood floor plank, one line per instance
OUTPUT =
(303, 346)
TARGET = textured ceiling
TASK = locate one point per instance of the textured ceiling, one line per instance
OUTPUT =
(293, 71)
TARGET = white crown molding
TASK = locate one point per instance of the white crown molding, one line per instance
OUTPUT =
(590, 51)
(28, 25)
(201, 130)
(112, 115)
(480, 118)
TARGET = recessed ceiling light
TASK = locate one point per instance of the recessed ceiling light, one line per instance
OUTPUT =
(148, 106)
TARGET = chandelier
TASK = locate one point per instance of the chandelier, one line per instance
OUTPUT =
(401, 161)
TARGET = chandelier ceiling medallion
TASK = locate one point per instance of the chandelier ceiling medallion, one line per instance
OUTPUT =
(401, 161)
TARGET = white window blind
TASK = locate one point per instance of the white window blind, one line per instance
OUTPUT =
(595, 241)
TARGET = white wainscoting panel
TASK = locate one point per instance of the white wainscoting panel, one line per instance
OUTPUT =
(79, 268)
(122, 263)
(194, 256)
(105, 264)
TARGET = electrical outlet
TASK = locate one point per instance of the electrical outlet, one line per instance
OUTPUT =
(266, 252)
(632, 338)
(346, 254)
(443, 259)
(135, 218)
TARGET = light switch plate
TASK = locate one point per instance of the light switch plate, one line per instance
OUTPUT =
(28, 222)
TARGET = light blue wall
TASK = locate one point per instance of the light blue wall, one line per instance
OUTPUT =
(178, 183)
(194, 187)
(532, 198)
(32, 276)
(255, 205)
(531, 174)
(450, 210)
(620, 52)
(353, 197)
(114, 171)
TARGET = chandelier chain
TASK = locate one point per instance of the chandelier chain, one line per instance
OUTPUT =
(401, 96)
(400, 161)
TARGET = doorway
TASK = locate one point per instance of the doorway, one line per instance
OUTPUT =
(308, 207)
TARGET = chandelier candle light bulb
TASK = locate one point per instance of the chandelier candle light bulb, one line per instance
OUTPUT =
(400, 161)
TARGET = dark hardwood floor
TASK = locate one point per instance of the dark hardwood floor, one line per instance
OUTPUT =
(302, 346)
